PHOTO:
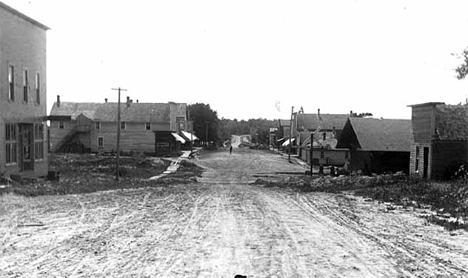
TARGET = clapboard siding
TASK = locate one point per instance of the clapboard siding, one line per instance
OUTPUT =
(420, 158)
(23, 47)
(422, 121)
(335, 157)
(134, 138)
(57, 134)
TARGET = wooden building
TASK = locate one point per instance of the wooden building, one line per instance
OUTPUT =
(326, 128)
(283, 132)
(145, 127)
(377, 145)
(23, 113)
(438, 139)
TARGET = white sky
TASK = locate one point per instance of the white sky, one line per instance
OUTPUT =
(244, 56)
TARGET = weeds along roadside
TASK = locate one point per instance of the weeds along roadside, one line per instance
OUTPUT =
(87, 173)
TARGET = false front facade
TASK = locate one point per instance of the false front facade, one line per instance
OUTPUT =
(23, 114)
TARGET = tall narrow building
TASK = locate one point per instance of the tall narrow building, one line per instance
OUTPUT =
(23, 112)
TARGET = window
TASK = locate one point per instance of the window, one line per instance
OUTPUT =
(39, 141)
(25, 86)
(416, 163)
(148, 126)
(324, 136)
(61, 125)
(98, 125)
(322, 154)
(123, 125)
(11, 145)
(11, 83)
(100, 142)
(180, 123)
(346, 155)
(38, 88)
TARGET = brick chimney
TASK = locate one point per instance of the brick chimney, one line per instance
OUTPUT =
(58, 100)
(128, 102)
(351, 113)
(105, 100)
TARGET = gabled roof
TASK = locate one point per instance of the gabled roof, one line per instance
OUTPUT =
(23, 16)
(107, 112)
(382, 134)
(329, 121)
(284, 122)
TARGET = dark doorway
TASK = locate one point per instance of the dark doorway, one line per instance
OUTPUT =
(425, 162)
(26, 147)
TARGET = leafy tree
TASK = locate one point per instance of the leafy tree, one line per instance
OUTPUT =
(204, 118)
(462, 70)
(259, 129)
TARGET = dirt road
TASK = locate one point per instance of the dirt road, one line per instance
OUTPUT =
(220, 227)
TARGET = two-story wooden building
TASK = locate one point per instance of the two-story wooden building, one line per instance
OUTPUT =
(325, 129)
(439, 139)
(23, 113)
(145, 127)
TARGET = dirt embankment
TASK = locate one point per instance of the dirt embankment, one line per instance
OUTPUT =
(220, 227)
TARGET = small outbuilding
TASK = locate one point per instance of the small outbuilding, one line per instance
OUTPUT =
(439, 139)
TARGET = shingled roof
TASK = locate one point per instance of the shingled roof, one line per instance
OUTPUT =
(329, 121)
(382, 134)
(107, 112)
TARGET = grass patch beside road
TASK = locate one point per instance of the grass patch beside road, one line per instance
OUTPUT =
(86, 173)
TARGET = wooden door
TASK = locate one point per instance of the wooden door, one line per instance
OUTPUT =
(26, 147)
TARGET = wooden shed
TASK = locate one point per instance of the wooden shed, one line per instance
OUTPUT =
(377, 145)
(439, 139)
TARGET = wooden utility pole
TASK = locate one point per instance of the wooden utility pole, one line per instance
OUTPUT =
(290, 134)
(117, 166)
(191, 130)
(311, 153)
(206, 138)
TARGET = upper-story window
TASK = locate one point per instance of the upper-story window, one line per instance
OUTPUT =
(38, 88)
(324, 135)
(25, 86)
(61, 125)
(98, 125)
(148, 126)
(123, 125)
(11, 82)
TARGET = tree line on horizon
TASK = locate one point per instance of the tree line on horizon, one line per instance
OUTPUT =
(209, 128)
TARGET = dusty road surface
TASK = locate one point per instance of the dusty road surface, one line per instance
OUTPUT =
(220, 227)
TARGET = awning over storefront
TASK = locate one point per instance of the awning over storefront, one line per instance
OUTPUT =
(189, 136)
(178, 138)
(286, 143)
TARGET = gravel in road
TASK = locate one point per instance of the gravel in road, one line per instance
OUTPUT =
(220, 227)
